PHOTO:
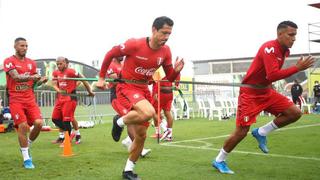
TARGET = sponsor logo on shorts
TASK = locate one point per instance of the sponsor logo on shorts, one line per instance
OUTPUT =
(17, 116)
(246, 118)
(136, 96)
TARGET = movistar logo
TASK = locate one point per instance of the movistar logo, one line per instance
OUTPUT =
(269, 50)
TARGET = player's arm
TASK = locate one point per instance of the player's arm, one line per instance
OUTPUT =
(117, 51)
(172, 72)
(87, 86)
(23, 77)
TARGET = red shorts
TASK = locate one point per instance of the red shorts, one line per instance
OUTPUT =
(252, 101)
(24, 112)
(64, 110)
(130, 94)
(165, 102)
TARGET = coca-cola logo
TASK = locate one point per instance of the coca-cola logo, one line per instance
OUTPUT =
(146, 72)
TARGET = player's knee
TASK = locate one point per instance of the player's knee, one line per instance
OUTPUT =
(38, 123)
(147, 115)
(58, 123)
(295, 115)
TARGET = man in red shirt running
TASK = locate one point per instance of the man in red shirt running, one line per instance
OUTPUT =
(21, 76)
(143, 57)
(265, 69)
(65, 106)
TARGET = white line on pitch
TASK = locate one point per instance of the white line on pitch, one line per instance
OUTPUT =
(246, 152)
(222, 136)
(174, 144)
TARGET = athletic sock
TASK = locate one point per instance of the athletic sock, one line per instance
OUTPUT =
(120, 122)
(221, 156)
(129, 165)
(25, 153)
(77, 132)
(266, 129)
(61, 135)
(170, 130)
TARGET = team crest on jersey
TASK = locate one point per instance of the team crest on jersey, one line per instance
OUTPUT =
(17, 116)
(136, 96)
(269, 50)
(246, 118)
(159, 60)
(29, 66)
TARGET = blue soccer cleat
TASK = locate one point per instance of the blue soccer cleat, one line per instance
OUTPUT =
(262, 140)
(222, 167)
(28, 164)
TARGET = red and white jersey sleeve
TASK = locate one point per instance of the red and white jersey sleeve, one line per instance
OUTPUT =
(266, 66)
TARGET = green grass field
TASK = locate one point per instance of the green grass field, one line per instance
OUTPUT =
(294, 154)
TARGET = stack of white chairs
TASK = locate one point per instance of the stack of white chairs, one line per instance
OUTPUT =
(214, 111)
(185, 114)
(175, 111)
(202, 109)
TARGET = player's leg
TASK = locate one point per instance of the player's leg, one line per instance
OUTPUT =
(141, 112)
(20, 121)
(135, 150)
(286, 113)
(127, 142)
(57, 121)
(167, 135)
(234, 139)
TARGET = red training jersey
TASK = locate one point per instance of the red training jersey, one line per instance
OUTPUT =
(266, 66)
(141, 61)
(20, 91)
(69, 86)
(114, 68)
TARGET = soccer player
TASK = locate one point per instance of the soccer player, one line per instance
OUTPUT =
(114, 73)
(21, 76)
(65, 106)
(265, 69)
(143, 57)
(166, 97)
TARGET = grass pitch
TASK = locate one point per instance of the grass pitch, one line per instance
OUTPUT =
(294, 154)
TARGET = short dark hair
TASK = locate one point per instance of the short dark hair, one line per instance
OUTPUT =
(285, 24)
(19, 39)
(159, 22)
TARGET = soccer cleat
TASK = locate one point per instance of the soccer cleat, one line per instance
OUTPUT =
(145, 152)
(222, 167)
(169, 139)
(262, 140)
(165, 135)
(72, 135)
(28, 164)
(78, 139)
(58, 141)
(129, 175)
(116, 129)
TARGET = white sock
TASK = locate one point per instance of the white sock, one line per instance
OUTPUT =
(25, 153)
(120, 122)
(222, 155)
(77, 132)
(129, 165)
(61, 135)
(266, 129)
(170, 130)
